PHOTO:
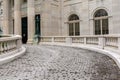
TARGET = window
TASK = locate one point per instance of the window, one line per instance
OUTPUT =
(101, 22)
(12, 3)
(24, 1)
(73, 22)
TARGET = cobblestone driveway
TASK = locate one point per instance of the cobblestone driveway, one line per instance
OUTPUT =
(60, 63)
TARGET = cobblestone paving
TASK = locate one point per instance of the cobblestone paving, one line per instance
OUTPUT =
(60, 63)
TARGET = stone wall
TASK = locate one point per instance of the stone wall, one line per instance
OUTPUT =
(55, 13)
(85, 9)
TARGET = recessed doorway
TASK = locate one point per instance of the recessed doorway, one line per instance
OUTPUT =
(24, 30)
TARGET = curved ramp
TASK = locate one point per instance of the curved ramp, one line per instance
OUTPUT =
(60, 63)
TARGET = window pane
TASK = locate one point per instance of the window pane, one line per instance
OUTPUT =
(77, 29)
(71, 30)
(24, 1)
(73, 17)
(105, 26)
(101, 13)
(97, 27)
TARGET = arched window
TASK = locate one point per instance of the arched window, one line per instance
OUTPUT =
(73, 22)
(101, 22)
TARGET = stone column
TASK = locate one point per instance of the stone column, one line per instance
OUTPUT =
(17, 17)
(5, 17)
(31, 20)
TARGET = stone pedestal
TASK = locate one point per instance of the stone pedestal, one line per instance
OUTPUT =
(102, 42)
(68, 40)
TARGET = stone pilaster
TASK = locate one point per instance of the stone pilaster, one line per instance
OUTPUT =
(6, 17)
(46, 19)
(17, 17)
(31, 20)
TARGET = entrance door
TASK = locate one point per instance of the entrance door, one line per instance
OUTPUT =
(24, 30)
(37, 25)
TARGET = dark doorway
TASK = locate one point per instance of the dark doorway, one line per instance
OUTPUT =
(24, 30)
(37, 25)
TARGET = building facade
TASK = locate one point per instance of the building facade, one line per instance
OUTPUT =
(59, 17)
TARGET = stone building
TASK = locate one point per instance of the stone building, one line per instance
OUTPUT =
(59, 17)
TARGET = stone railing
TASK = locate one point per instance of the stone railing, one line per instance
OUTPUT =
(10, 48)
(103, 42)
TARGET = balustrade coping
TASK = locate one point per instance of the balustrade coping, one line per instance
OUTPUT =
(112, 35)
(9, 37)
(83, 36)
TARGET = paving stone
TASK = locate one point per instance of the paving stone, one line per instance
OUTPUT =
(43, 62)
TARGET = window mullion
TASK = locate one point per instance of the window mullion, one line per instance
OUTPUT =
(74, 28)
(101, 26)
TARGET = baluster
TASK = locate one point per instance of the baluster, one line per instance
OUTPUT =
(8, 45)
(12, 45)
(0, 47)
(5, 45)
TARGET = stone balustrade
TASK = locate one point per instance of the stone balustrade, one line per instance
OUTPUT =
(9, 43)
(10, 48)
(104, 41)
(46, 39)
(78, 40)
(92, 40)
(111, 41)
(59, 39)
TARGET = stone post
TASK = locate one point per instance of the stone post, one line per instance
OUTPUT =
(53, 40)
(101, 42)
(31, 20)
(6, 16)
(19, 43)
(85, 40)
(68, 40)
(17, 17)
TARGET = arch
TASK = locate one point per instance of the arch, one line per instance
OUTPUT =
(100, 13)
(73, 17)
(101, 22)
(71, 13)
(96, 9)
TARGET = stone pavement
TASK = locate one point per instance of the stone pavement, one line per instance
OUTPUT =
(45, 62)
